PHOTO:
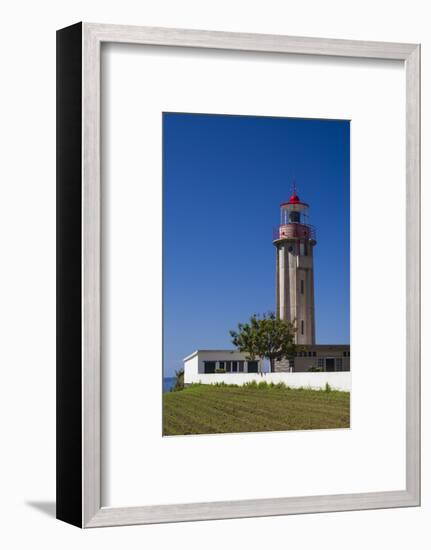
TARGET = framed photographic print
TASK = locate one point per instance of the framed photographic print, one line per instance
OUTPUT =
(238, 324)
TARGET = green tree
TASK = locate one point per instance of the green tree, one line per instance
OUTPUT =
(267, 337)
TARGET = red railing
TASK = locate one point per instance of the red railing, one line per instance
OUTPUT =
(294, 231)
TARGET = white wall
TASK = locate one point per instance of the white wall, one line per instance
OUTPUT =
(27, 224)
(315, 380)
(191, 369)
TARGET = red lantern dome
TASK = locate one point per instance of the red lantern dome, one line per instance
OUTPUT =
(294, 199)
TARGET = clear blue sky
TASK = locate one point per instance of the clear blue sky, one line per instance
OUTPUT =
(224, 178)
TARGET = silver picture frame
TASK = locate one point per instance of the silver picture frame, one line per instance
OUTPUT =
(79, 274)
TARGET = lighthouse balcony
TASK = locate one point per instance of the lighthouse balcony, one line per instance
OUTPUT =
(294, 231)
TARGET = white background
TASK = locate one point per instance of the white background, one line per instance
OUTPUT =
(27, 221)
(138, 84)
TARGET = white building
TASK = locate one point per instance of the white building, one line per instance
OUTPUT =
(220, 362)
(232, 367)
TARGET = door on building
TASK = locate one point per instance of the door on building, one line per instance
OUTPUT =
(252, 366)
(330, 364)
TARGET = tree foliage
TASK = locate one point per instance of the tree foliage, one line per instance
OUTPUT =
(265, 336)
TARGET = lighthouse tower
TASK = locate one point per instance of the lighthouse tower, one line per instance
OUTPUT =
(294, 240)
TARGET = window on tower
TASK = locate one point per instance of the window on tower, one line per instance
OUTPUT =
(302, 286)
(302, 327)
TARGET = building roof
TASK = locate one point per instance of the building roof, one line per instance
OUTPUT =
(196, 352)
(299, 346)
(323, 346)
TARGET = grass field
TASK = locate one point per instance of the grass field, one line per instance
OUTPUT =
(206, 409)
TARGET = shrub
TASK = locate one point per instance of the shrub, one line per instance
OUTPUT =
(251, 385)
(327, 387)
(262, 385)
(315, 369)
(220, 370)
(179, 380)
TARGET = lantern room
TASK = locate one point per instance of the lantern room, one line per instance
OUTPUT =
(294, 220)
(293, 211)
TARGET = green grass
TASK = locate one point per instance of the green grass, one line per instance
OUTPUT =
(206, 409)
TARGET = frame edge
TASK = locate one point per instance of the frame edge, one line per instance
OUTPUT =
(413, 276)
(68, 328)
(111, 517)
(165, 36)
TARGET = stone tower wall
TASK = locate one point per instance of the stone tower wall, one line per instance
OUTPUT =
(295, 288)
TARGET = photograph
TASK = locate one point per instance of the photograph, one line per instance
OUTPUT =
(256, 274)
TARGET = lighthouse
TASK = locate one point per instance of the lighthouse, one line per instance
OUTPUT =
(294, 240)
